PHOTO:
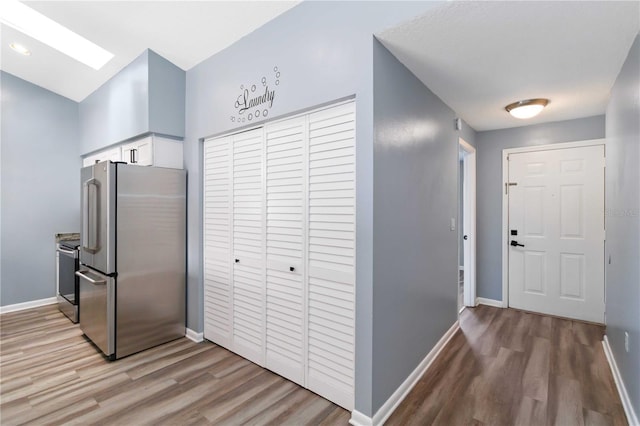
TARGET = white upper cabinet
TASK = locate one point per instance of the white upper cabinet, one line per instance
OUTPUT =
(112, 154)
(147, 151)
(153, 151)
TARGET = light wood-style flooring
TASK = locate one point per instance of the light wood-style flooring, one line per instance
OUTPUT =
(49, 374)
(507, 367)
(504, 367)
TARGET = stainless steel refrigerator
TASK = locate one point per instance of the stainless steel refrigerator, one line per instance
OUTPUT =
(132, 256)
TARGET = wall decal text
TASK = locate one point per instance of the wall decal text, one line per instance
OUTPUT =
(253, 103)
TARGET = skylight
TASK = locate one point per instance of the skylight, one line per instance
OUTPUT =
(47, 31)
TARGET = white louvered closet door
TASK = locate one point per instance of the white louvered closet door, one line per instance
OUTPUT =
(285, 174)
(248, 245)
(218, 324)
(331, 253)
(279, 225)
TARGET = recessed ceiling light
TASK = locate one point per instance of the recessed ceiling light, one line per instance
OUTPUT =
(526, 109)
(20, 49)
(36, 25)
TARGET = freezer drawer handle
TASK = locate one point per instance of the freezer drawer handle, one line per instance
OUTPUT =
(91, 280)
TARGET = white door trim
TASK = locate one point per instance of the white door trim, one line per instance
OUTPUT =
(505, 200)
(469, 222)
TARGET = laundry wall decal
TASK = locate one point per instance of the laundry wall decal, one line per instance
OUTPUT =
(256, 100)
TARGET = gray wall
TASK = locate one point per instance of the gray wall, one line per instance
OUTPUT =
(622, 221)
(323, 51)
(415, 196)
(146, 96)
(40, 186)
(167, 85)
(489, 187)
(118, 110)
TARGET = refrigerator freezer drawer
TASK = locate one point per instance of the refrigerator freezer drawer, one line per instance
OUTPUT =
(97, 298)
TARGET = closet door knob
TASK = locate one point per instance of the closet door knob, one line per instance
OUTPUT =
(291, 268)
(237, 260)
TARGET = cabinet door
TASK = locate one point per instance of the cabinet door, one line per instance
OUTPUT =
(218, 318)
(143, 154)
(139, 152)
(127, 152)
(285, 181)
(248, 245)
(331, 248)
(114, 154)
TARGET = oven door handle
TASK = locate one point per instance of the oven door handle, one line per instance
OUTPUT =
(91, 280)
(69, 252)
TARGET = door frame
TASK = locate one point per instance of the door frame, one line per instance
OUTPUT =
(505, 199)
(469, 221)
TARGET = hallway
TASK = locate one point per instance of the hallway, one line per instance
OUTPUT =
(508, 367)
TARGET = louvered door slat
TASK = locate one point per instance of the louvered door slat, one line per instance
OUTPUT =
(248, 251)
(285, 162)
(218, 321)
(331, 258)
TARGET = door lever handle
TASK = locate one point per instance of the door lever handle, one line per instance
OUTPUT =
(514, 243)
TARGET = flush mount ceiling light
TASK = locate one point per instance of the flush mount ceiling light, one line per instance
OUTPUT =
(45, 30)
(527, 108)
(20, 49)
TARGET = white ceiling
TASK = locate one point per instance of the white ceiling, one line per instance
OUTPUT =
(184, 32)
(480, 56)
(476, 56)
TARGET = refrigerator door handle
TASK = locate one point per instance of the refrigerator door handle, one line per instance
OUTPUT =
(90, 216)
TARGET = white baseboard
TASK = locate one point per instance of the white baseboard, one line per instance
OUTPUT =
(195, 336)
(28, 305)
(489, 302)
(632, 418)
(381, 416)
(359, 419)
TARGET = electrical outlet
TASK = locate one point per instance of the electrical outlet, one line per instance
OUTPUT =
(626, 341)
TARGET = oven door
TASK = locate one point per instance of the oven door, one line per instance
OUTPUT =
(67, 280)
(67, 263)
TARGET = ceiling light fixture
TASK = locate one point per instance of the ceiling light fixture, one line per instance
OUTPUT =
(526, 109)
(20, 49)
(36, 25)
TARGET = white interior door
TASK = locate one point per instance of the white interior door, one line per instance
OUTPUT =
(279, 248)
(285, 272)
(218, 318)
(331, 247)
(469, 223)
(556, 232)
(248, 246)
